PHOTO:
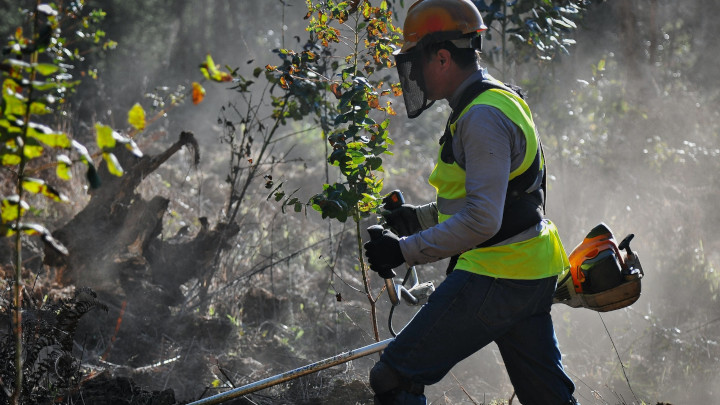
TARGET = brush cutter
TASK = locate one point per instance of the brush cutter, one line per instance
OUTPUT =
(603, 276)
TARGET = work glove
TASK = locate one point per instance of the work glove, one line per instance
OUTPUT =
(384, 254)
(403, 220)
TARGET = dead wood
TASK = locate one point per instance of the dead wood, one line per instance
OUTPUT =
(115, 244)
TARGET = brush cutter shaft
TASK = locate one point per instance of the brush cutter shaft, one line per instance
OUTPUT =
(292, 374)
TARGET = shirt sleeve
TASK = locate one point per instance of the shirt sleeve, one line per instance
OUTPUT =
(487, 145)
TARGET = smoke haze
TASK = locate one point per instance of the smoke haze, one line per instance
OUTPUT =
(629, 122)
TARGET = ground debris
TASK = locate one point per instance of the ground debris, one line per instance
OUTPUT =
(106, 390)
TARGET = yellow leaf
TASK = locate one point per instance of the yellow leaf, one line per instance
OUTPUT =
(104, 136)
(396, 89)
(211, 71)
(32, 151)
(601, 65)
(37, 229)
(33, 185)
(136, 117)
(113, 164)
(39, 108)
(133, 147)
(198, 93)
(51, 139)
(8, 159)
(224, 77)
(206, 67)
(38, 186)
(63, 168)
(11, 209)
(32, 229)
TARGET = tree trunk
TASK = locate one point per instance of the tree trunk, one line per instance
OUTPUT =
(114, 241)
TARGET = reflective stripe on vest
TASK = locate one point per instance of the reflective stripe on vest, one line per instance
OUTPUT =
(538, 257)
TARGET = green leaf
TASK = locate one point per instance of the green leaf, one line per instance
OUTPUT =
(136, 117)
(356, 156)
(113, 164)
(345, 98)
(38, 108)
(92, 177)
(368, 121)
(46, 69)
(374, 163)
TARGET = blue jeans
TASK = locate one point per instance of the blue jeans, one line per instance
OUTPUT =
(465, 314)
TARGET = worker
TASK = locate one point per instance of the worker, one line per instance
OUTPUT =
(488, 218)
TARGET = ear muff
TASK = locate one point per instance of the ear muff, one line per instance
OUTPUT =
(477, 42)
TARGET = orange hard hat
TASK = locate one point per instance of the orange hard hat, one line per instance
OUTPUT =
(425, 17)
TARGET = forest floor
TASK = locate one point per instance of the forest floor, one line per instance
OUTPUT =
(127, 356)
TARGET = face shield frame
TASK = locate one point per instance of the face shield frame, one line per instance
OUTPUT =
(412, 81)
(410, 65)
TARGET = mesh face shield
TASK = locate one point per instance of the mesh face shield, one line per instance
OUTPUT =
(409, 67)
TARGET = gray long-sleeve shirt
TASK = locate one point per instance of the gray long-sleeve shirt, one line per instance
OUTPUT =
(488, 145)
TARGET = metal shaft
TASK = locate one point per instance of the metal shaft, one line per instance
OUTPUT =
(292, 374)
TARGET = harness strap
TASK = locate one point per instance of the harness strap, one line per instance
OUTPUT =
(524, 204)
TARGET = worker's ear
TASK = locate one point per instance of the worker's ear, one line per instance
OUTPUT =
(444, 58)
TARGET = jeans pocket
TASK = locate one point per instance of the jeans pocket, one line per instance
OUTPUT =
(509, 300)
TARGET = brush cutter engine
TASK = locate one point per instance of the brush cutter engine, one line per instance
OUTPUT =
(603, 276)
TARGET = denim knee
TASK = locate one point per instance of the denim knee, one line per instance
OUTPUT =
(392, 389)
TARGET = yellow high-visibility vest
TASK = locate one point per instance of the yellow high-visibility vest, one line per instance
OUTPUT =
(538, 257)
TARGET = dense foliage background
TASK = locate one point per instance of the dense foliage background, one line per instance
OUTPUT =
(630, 123)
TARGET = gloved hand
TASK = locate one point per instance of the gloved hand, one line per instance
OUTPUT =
(403, 220)
(384, 254)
